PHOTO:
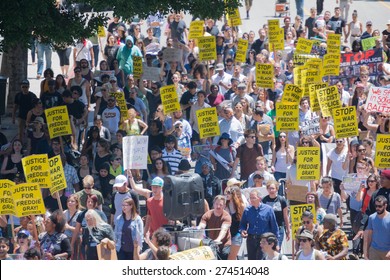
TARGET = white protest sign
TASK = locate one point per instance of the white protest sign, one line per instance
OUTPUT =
(135, 152)
(378, 100)
(150, 73)
(310, 127)
(171, 54)
(352, 182)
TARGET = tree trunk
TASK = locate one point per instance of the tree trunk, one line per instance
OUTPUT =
(14, 66)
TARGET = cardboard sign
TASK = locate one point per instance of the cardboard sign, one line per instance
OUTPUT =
(137, 64)
(36, 170)
(169, 99)
(234, 17)
(333, 43)
(58, 123)
(304, 45)
(150, 73)
(265, 75)
(7, 206)
(28, 200)
(101, 31)
(310, 127)
(329, 99)
(196, 29)
(331, 65)
(296, 212)
(105, 254)
(57, 175)
(207, 48)
(208, 122)
(121, 102)
(382, 152)
(378, 100)
(297, 193)
(135, 152)
(287, 116)
(314, 104)
(172, 55)
(369, 43)
(199, 253)
(345, 122)
(291, 93)
(308, 163)
(242, 47)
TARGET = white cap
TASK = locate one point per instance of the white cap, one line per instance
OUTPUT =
(120, 180)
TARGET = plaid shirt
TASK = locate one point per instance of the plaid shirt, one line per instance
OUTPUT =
(71, 179)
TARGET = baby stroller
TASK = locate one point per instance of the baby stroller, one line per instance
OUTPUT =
(282, 7)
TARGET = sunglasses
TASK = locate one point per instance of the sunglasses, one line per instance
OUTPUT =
(77, 71)
(303, 240)
(118, 159)
(253, 137)
(371, 181)
(379, 206)
(22, 236)
(179, 126)
(306, 222)
(339, 141)
(112, 82)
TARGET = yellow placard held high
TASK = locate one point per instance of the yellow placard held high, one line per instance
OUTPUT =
(101, 31)
(36, 170)
(207, 48)
(310, 76)
(57, 176)
(304, 45)
(242, 47)
(291, 93)
(121, 102)
(58, 121)
(265, 75)
(296, 212)
(28, 200)
(137, 67)
(314, 104)
(208, 122)
(333, 43)
(329, 99)
(382, 151)
(287, 116)
(331, 65)
(308, 163)
(234, 17)
(196, 29)
(169, 99)
(7, 206)
(345, 122)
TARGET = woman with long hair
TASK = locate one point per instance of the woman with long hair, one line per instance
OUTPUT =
(60, 83)
(36, 111)
(90, 145)
(364, 195)
(159, 169)
(282, 157)
(132, 125)
(102, 99)
(84, 168)
(38, 139)
(128, 226)
(12, 164)
(118, 73)
(102, 153)
(239, 114)
(110, 50)
(71, 215)
(235, 206)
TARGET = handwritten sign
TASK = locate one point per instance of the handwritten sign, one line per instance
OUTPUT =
(208, 122)
(310, 127)
(308, 163)
(7, 206)
(121, 102)
(351, 183)
(345, 122)
(150, 73)
(199, 253)
(135, 152)
(58, 121)
(378, 100)
(28, 200)
(36, 170)
(57, 176)
(172, 55)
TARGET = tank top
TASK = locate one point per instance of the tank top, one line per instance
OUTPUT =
(83, 97)
(133, 128)
(355, 28)
(302, 257)
(280, 164)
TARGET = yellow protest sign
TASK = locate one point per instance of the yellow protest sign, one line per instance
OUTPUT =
(57, 176)
(7, 206)
(310, 76)
(382, 151)
(291, 93)
(287, 116)
(208, 122)
(333, 43)
(58, 121)
(276, 36)
(169, 99)
(331, 65)
(296, 212)
(314, 104)
(345, 122)
(304, 45)
(302, 58)
(137, 67)
(314, 64)
(196, 29)
(198, 253)
(207, 48)
(265, 75)
(329, 99)
(36, 170)
(28, 200)
(308, 163)
(101, 31)
(234, 17)
(121, 102)
(242, 47)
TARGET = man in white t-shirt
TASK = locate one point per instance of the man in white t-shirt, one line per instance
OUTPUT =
(111, 116)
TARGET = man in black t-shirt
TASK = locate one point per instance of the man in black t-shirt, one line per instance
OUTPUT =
(310, 23)
(188, 99)
(24, 102)
(178, 29)
(51, 98)
(337, 24)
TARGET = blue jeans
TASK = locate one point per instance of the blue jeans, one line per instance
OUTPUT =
(33, 47)
(157, 33)
(96, 55)
(280, 175)
(281, 236)
(44, 49)
(299, 4)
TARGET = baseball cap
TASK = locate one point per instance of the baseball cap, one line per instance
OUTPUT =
(24, 231)
(219, 67)
(242, 85)
(158, 182)
(386, 173)
(369, 22)
(120, 180)
(234, 181)
(39, 119)
(113, 78)
(25, 82)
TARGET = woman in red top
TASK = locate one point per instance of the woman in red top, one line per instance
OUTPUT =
(365, 194)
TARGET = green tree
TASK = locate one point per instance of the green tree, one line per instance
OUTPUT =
(19, 19)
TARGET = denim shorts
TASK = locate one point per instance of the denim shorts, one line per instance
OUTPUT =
(237, 240)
